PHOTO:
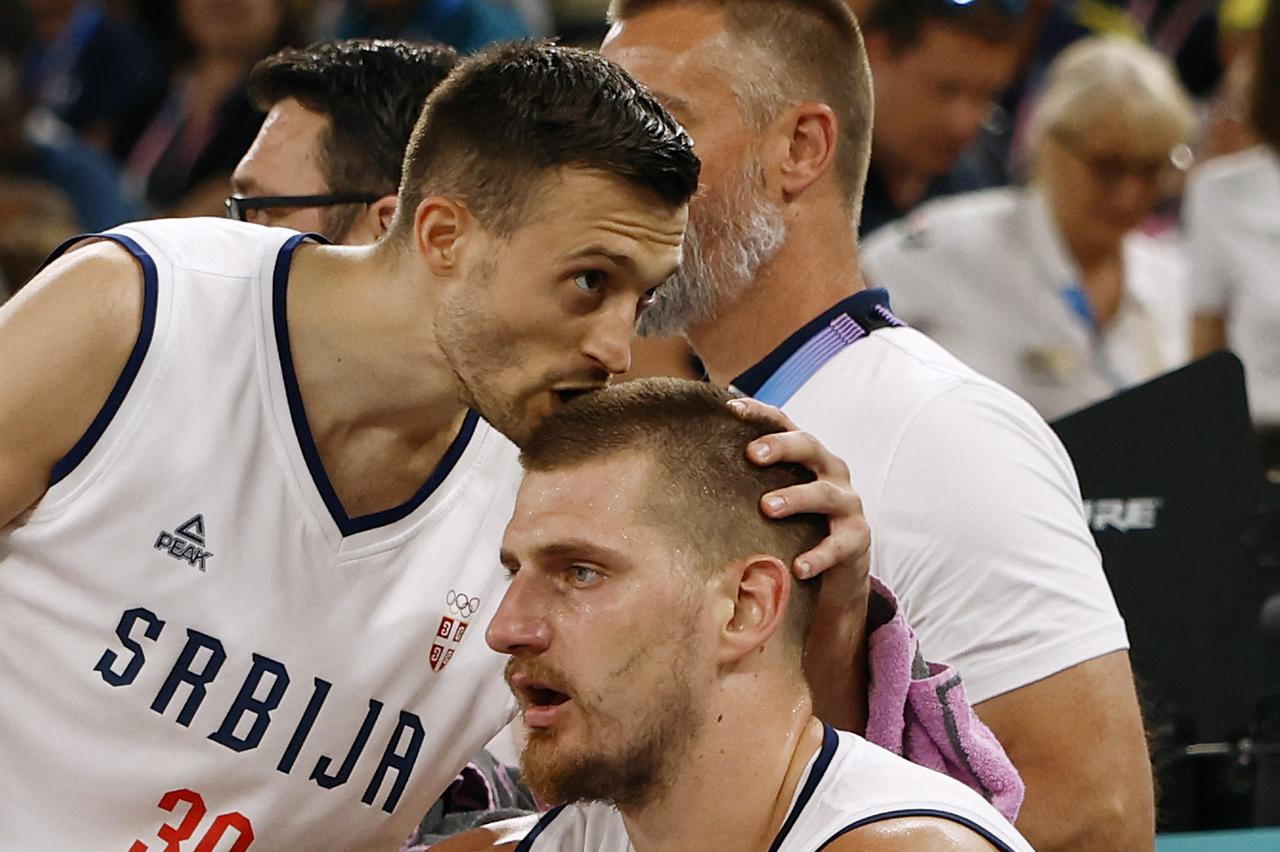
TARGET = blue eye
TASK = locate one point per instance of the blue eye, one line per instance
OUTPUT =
(584, 575)
(590, 281)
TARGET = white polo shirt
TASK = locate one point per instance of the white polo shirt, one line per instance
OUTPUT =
(976, 518)
(1232, 215)
(987, 276)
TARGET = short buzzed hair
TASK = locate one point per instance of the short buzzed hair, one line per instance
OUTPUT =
(904, 21)
(1265, 95)
(703, 491)
(372, 91)
(510, 115)
(813, 50)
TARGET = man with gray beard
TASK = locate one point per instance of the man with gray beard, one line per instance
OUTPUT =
(975, 511)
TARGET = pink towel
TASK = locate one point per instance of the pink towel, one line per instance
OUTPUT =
(919, 711)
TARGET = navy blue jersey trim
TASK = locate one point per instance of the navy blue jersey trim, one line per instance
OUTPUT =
(526, 845)
(861, 306)
(920, 812)
(830, 741)
(302, 428)
(150, 294)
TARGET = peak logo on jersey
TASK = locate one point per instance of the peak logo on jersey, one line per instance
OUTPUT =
(186, 542)
(451, 630)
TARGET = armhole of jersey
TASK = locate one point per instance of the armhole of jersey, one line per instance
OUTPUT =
(150, 290)
(526, 845)
(921, 812)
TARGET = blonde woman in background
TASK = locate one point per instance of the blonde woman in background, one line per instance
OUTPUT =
(1052, 289)
(1232, 214)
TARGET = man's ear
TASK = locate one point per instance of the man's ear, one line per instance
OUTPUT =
(757, 591)
(813, 134)
(380, 214)
(442, 227)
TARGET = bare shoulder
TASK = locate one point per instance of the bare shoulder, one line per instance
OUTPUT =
(911, 833)
(64, 341)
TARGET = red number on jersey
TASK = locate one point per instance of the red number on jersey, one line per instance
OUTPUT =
(174, 835)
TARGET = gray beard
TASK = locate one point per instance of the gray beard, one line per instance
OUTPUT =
(726, 242)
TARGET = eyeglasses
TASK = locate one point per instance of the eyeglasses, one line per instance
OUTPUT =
(238, 206)
(1113, 168)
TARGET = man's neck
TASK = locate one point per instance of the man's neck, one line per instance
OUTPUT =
(734, 790)
(381, 401)
(816, 267)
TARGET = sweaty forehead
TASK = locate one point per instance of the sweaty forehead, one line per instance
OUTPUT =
(602, 501)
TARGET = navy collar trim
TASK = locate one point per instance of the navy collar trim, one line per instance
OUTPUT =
(526, 845)
(830, 742)
(784, 370)
(302, 428)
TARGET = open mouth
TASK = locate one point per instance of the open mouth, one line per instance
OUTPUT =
(541, 696)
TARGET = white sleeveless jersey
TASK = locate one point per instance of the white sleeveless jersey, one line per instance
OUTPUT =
(198, 649)
(848, 784)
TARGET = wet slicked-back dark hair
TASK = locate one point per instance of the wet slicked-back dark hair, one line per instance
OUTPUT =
(903, 21)
(513, 113)
(703, 491)
(372, 91)
(1265, 106)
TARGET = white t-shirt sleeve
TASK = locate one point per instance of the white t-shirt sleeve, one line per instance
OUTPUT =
(1210, 269)
(982, 521)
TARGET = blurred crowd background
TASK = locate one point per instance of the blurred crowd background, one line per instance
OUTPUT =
(1072, 195)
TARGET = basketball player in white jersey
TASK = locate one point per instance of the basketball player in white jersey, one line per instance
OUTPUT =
(655, 637)
(249, 515)
(974, 507)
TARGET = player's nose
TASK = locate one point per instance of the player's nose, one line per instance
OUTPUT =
(518, 625)
(608, 340)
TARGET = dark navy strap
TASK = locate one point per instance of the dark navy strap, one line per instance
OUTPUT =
(302, 427)
(150, 295)
(785, 370)
(921, 812)
(526, 845)
(830, 742)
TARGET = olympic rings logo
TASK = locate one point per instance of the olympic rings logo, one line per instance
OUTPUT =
(461, 604)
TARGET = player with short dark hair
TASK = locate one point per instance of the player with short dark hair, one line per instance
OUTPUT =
(691, 727)
(349, 107)
(248, 522)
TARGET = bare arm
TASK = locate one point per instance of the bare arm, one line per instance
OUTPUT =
(911, 834)
(1208, 334)
(1077, 740)
(64, 340)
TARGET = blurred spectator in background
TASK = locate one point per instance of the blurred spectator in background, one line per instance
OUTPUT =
(183, 160)
(467, 25)
(94, 68)
(938, 66)
(1232, 215)
(1052, 290)
(339, 115)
